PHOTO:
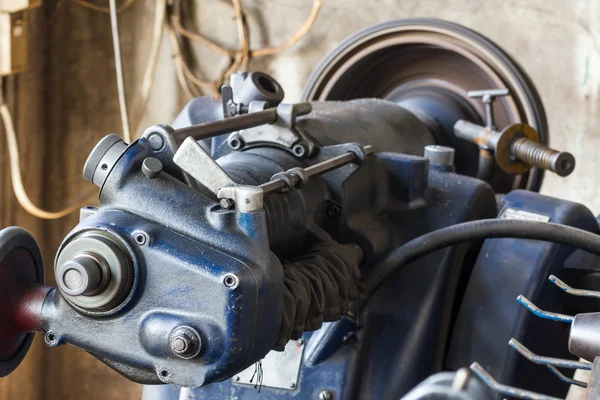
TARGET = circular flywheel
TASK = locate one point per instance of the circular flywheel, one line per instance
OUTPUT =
(432, 64)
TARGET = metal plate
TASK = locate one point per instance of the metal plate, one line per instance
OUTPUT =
(513, 213)
(280, 368)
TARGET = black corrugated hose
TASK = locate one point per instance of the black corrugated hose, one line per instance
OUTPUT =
(478, 230)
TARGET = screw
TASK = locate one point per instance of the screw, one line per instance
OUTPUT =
(156, 141)
(226, 204)
(292, 385)
(51, 339)
(185, 342)
(237, 379)
(235, 142)
(141, 238)
(542, 156)
(325, 395)
(301, 342)
(334, 211)
(231, 281)
(151, 167)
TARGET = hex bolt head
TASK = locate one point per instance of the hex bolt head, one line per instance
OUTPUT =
(325, 395)
(185, 342)
(151, 167)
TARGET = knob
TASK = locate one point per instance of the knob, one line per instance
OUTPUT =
(84, 275)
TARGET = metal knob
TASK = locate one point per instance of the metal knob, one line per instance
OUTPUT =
(82, 276)
(441, 156)
(101, 160)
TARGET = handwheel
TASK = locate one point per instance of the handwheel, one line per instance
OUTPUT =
(21, 295)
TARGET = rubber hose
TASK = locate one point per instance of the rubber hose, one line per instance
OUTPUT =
(478, 230)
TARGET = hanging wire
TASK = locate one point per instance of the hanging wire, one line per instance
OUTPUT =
(160, 14)
(15, 172)
(88, 4)
(114, 25)
(240, 58)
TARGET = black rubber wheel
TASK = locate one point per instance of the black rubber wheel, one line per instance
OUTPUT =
(20, 269)
(396, 59)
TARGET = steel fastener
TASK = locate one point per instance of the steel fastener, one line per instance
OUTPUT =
(151, 167)
(185, 342)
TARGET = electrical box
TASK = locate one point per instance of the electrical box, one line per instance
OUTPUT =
(13, 35)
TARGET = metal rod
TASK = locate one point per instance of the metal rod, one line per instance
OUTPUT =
(565, 378)
(316, 169)
(119, 70)
(210, 129)
(573, 291)
(544, 314)
(505, 389)
(555, 362)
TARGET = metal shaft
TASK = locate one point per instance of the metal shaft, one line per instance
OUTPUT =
(227, 125)
(541, 156)
(316, 169)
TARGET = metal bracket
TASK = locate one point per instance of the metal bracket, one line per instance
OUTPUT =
(283, 133)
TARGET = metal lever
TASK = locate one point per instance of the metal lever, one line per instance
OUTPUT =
(544, 314)
(194, 160)
(505, 389)
(547, 361)
(488, 96)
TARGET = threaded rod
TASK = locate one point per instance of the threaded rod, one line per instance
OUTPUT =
(541, 156)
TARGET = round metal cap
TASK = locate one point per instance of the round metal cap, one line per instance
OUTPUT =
(442, 156)
(86, 275)
(94, 272)
(20, 269)
(102, 158)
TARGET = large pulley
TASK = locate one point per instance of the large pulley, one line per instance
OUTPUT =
(429, 66)
(21, 295)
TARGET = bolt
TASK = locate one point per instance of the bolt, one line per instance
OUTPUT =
(301, 342)
(151, 167)
(542, 156)
(141, 238)
(299, 150)
(226, 204)
(334, 211)
(156, 141)
(325, 395)
(235, 142)
(185, 342)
